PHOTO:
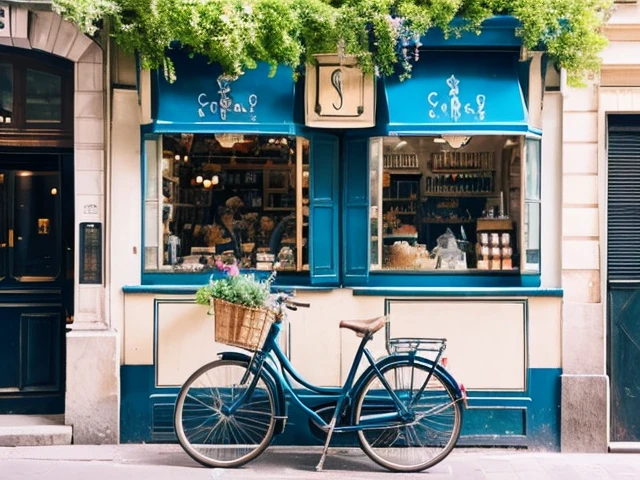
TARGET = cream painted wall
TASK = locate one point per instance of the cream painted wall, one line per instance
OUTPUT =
(487, 345)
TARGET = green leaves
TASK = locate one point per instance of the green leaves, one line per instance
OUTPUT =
(381, 34)
(240, 289)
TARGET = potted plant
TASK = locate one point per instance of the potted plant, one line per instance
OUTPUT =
(239, 305)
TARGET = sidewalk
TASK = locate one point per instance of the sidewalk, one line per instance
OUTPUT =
(159, 462)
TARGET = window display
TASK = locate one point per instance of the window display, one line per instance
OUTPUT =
(441, 204)
(240, 199)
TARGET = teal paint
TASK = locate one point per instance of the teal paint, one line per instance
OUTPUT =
(529, 418)
(324, 251)
(355, 216)
(203, 100)
(470, 93)
(459, 291)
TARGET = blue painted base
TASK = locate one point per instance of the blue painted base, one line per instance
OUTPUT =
(526, 419)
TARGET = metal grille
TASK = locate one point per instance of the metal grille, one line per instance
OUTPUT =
(624, 200)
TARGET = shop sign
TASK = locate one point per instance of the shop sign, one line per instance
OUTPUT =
(225, 102)
(453, 106)
(338, 94)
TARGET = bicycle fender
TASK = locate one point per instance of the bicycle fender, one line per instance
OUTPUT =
(392, 359)
(270, 377)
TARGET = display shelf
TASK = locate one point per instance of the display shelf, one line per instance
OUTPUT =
(462, 171)
(460, 194)
(391, 199)
(447, 220)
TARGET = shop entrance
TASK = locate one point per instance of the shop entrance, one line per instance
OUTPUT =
(36, 278)
(623, 285)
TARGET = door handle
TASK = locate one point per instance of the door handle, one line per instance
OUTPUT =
(11, 238)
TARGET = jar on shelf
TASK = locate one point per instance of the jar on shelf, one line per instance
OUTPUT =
(505, 239)
(495, 239)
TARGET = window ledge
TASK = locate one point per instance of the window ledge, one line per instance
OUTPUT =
(459, 291)
(191, 289)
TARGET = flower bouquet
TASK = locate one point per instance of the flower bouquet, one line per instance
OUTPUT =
(239, 305)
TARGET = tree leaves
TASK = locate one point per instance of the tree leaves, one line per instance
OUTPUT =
(384, 35)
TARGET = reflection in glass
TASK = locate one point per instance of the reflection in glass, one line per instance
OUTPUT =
(6, 93)
(4, 250)
(532, 236)
(44, 97)
(533, 170)
(36, 246)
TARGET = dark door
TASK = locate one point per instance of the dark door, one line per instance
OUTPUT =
(35, 287)
(623, 267)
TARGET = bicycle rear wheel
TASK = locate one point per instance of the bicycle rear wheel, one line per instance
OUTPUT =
(210, 433)
(424, 440)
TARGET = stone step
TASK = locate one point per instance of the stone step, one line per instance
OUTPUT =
(33, 430)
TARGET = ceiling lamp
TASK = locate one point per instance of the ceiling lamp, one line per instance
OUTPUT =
(454, 141)
(228, 140)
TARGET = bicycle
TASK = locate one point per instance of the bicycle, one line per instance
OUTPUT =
(405, 409)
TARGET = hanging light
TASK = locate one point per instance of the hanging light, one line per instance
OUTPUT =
(199, 179)
(206, 183)
(215, 180)
(456, 141)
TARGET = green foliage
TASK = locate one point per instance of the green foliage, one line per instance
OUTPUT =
(241, 289)
(381, 34)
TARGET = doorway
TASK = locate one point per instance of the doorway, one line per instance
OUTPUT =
(623, 275)
(36, 278)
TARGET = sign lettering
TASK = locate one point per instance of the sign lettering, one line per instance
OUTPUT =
(225, 103)
(453, 107)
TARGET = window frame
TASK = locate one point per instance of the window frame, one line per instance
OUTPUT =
(39, 133)
(152, 144)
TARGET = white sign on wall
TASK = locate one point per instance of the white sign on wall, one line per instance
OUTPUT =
(338, 94)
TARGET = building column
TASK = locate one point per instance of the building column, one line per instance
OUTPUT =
(585, 386)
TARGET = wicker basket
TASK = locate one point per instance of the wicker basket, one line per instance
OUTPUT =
(240, 326)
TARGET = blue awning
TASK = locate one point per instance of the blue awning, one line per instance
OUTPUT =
(472, 93)
(202, 100)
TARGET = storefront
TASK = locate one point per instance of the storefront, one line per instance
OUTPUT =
(432, 216)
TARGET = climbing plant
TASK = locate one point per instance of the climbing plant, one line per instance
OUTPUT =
(384, 35)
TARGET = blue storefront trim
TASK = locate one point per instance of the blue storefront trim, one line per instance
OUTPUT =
(459, 292)
(191, 289)
(524, 419)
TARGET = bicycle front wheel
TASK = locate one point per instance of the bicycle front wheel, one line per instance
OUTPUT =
(221, 418)
(430, 432)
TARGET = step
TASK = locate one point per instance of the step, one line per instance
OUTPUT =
(34, 430)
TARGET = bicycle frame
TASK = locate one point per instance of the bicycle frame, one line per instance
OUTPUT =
(341, 395)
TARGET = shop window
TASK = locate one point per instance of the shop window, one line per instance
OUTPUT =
(6, 93)
(532, 207)
(236, 198)
(43, 97)
(449, 204)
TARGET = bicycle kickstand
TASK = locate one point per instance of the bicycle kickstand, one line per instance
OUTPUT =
(326, 445)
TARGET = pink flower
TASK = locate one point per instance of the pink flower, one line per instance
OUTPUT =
(219, 264)
(232, 270)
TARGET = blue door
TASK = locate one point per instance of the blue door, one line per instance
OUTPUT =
(36, 280)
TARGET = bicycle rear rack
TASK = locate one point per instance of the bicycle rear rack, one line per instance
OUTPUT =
(414, 345)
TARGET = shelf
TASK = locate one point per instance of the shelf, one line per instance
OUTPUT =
(171, 179)
(399, 199)
(461, 194)
(448, 220)
(403, 213)
(463, 171)
(400, 171)
(254, 166)
(279, 209)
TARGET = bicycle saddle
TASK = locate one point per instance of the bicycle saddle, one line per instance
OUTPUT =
(364, 327)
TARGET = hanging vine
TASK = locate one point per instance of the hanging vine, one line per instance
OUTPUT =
(384, 35)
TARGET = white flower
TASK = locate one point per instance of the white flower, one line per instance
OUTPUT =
(248, 9)
(225, 18)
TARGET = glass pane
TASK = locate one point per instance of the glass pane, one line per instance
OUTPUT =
(444, 209)
(375, 205)
(6, 93)
(152, 202)
(532, 236)
(37, 226)
(233, 198)
(4, 247)
(533, 170)
(44, 97)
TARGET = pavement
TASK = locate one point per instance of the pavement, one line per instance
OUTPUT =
(160, 462)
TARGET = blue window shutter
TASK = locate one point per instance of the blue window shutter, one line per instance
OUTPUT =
(355, 218)
(324, 255)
